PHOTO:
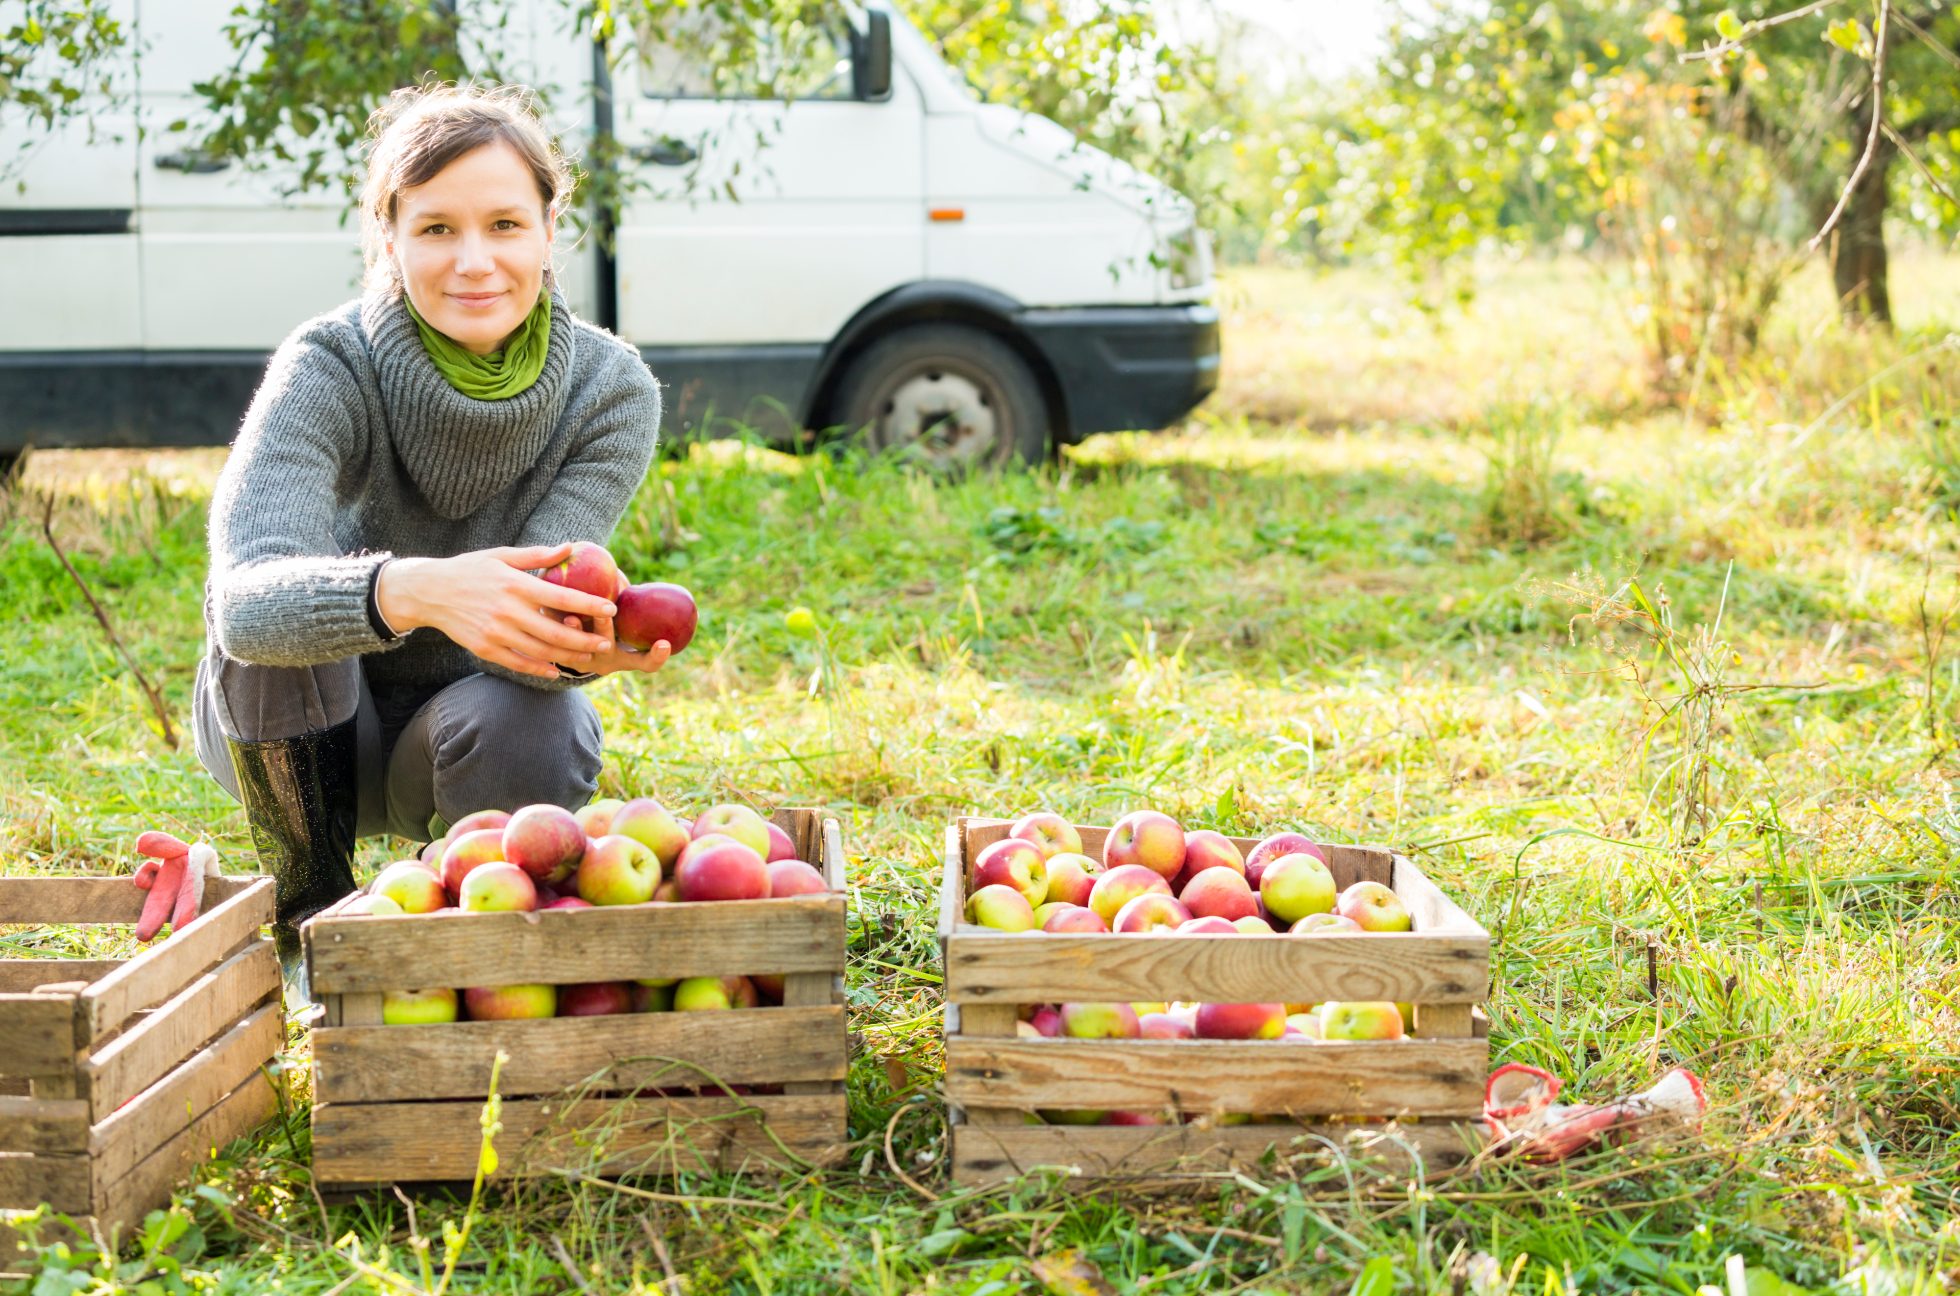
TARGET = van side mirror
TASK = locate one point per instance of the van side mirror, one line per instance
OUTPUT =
(871, 57)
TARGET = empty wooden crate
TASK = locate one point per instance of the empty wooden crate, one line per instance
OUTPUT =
(1235, 1102)
(117, 1076)
(638, 1093)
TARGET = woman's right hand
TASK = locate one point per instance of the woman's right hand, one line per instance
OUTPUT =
(489, 603)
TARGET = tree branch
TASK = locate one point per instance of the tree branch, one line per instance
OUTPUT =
(1749, 29)
(1878, 122)
(1905, 148)
(1932, 41)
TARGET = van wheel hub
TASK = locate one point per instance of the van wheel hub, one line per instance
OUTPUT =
(942, 417)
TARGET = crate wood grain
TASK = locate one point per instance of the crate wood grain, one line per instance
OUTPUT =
(401, 1103)
(1417, 1097)
(120, 1075)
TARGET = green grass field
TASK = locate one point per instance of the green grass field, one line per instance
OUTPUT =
(1380, 590)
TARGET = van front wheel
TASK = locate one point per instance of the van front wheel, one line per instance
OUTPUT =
(948, 397)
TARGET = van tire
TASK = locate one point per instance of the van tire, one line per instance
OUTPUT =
(893, 390)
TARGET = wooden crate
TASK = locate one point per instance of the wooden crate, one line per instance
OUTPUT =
(117, 1076)
(1390, 1101)
(586, 1095)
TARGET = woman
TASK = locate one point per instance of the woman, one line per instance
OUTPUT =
(379, 655)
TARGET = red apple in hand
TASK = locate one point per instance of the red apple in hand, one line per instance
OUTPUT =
(654, 611)
(588, 569)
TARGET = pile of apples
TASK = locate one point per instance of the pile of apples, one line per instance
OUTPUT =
(612, 852)
(1155, 878)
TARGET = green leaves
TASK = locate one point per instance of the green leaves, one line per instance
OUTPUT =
(1728, 26)
(1847, 35)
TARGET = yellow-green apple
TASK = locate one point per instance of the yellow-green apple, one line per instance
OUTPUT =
(545, 841)
(1296, 885)
(468, 851)
(498, 888)
(1048, 909)
(1205, 849)
(595, 999)
(1047, 1021)
(617, 871)
(432, 853)
(1051, 834)
(1373, 907)
(418, 1007)
(411, 884)
(1324, 924)
(568, 902)
(510, 1003)
(1408, 1011)
(731, 871)
(737, 821)
(1144, 1006)
(1072, 918)
(1071, 877)
(646, 822)
(1099, 1021)
(1304, 1023)
(1000, 907)
(653, 998)
(1253, 925)
(1219, 893)
(1241, 1021)
(653, 611)
(1273, 847)
(371, 906)
(780, 846)
(1371, 1020)
(705, 994)
(1210, 925)
(793, 877)
(1162, 1025)
(596, 818)
(1150, 913)
(1056, 1116)
(1147, 837)
(1122, 884)
(1013, 862)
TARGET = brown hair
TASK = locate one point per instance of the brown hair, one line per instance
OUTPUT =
(421, 130)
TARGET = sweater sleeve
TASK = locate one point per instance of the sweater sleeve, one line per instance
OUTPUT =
(282, 592)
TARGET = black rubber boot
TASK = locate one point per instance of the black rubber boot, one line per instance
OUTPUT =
(300, 796)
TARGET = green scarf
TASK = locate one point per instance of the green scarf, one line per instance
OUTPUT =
(499, 375)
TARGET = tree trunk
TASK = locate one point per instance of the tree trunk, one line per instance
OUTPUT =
(1857, 247)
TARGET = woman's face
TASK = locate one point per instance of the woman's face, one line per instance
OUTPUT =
(472, 243)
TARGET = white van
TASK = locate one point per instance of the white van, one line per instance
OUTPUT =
(883, 251)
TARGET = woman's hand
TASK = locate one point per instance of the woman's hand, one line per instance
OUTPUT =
(620, 658)
(489, 603)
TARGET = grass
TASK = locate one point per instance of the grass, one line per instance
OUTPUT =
(1648, 693)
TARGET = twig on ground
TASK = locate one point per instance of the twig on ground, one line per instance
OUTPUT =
(571, 1266)
(672, 1282)
(891, 1157)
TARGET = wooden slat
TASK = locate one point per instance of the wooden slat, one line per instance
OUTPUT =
(166, 968)
(18, 976)
(1038, 967)
(159, 1113)
(43, 1125)
(150, 1184)
(560, 947)
(385, 1142)
(60, 1181)
(372, 1064)
(37, 1034)
(988, 1025)
(198, 1014)
(47, 901)
(991, 1154)
(1388, 1078)
(1443, 1021)
(952, 888)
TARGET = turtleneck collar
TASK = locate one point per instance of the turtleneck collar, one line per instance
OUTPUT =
(461, 452)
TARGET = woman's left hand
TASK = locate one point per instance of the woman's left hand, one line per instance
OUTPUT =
(621, 658)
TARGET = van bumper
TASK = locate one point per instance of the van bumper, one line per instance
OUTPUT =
(1124, 368)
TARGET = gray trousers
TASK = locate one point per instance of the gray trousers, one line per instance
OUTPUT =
(426, 757)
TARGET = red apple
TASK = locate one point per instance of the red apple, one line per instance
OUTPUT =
(737, 821)
(726, 872)
(1241, 1021)
(595, 999)
(596, 818)
(1131, 1118)
(1047, 1021)
(1206, 849)
(1296, 885)
(1149, 838)
(498, 888)
(411, 884)
(545, 841)
(417, 1007)
(369, 906)
(654, 611)
(1073, 918)
(468, 851)
(1360, 1021)
(1162, 1025)
(568, 902)
(1050, 833)
(647, 823)
(667, 893)
(1271, 848)
(432, 853)
(588, 569)
(1016, 863)
(617, 871)
(478, 820)
(1219, 893)
(1099, 1021)
(1122, 884)
(1211, 925)
(1373, 907)
(1324, 924)
(793, 877)
(780, 846)
(1000, 907)
(768, 987)
(1150, 912)
(1071, 877)
(510, 1003)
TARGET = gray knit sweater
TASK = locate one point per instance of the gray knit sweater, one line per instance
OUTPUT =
(356, 450)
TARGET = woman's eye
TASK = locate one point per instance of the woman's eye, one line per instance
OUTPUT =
(436, 229)
(506, 223)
